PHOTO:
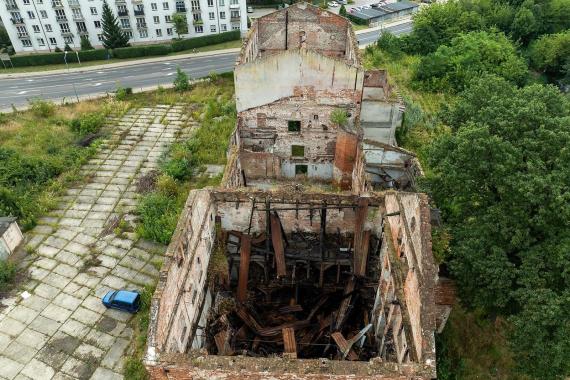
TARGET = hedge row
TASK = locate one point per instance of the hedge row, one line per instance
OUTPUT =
(57, 58)
(122, 53)
(197, 42)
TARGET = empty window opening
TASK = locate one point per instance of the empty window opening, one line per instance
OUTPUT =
(301, 169)
(297, 151)
(294, 125)
(315, 117)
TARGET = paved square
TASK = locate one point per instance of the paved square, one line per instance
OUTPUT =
(62, 330)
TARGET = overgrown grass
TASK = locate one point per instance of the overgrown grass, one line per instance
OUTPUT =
(134, 368)
(211, 104)
(41, 151)
(7, 274)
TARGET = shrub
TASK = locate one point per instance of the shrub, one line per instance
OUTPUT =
(197, 42)
(339, 117)
(58, 50)
(7, 273)
(167, 185)
(141, 51)
(57, 58)
(389, 44)
(159, 215)
(42, 108)
(88, 123)
(123, 93)
(181, 81)
(85, 43)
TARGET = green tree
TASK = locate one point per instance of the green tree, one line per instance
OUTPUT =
(67, 48)
(501, 179)
(85, 43)
(113, 36)
(526, 24)
(469, 56)
(342, 11)
(4, 38)
(550, 53)
(180, 23)
(389, 44)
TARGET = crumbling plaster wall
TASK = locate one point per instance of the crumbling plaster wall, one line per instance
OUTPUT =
(410, 234)
(295, 73)
(181, 290)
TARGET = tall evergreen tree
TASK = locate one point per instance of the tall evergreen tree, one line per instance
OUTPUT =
(113, 36)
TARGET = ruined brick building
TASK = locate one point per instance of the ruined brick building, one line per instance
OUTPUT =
(308, 261)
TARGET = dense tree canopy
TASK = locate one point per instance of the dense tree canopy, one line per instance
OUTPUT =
(502, 180)
(551, 54)
(469, 56)
(113, 36)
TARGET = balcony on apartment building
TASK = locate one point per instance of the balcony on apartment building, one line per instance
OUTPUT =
(56, 4)
(180, 9)
(123, 13)
(67, 33)
(234, 6)
(60, 18)
(17, 21)
(12, 6)
(78, 17)
(235, 17)
(120, 1)
(83, 32)
(141, 26)
(196, 9)
(23, 35)
(139, 12)
(74, 3)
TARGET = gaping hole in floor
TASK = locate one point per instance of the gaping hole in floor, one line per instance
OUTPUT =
(300, 295)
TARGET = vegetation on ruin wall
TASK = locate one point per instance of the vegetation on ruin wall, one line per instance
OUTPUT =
(134, 368)
(211, 105)
(493, 137)
(41, 151)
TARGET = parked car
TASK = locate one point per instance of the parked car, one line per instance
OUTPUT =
(249, 9)
(343, 2)
(125, 300)
(376, 5)
(333, 4)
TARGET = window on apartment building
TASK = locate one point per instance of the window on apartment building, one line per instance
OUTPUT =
(64, 27)
(36, 28)
(195, 4)
(212, 15)
(169, 31)
(297, 151)
(48, 27)
(129, 34)
(68, 39)
(222, 3)
(235, 27)
(60, 13)
(141, 22)
(156, 19)
(234, 2)
(197, 16)
(223, 15)
(143, 33)
(41, 42)
(139, 8)
(212, 28)
(43, 14)
(52, 41)
(93, 11)
(39, 1)
(294, 126)
(76, 13)
(159, 32)
(31, 15)
(81, 27)
(100, 37)
(199, 29)
(167, 18)
(165, 6)
(180, 7)
(224, 28)
(97, 24)
(153, 6)
(125, 23)
(210, 3)
(27, 2)
(122, 9)
(26, 43)
(301, 169)
(21, 30)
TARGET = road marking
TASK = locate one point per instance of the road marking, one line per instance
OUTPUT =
(166, 63)
(30, 80)
(100, 72)
(22, 92)
(97, 84)
(169, 74)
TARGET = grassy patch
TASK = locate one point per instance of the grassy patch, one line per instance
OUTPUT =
(7, 274)
(211, 103)
(42, 150)
(134, 368)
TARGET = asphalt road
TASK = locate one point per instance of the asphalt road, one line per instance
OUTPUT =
(18, 91)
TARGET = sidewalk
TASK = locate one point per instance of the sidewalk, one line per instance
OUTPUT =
(121, 64)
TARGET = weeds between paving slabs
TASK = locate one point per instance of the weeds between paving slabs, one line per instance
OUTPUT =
(211, 104)
(134, 368)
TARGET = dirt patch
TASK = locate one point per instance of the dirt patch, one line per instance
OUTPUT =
(57, 350)
(106, 324)
(147, 182)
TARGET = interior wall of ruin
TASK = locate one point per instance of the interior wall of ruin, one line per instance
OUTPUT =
(180, 294)
(297, 73)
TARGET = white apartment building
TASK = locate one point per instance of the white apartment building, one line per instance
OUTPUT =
(43, 25)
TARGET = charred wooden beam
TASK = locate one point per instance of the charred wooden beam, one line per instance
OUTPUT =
(277, 240)
(344, 346)
(361, 238)
(322, 236)
(289, 343)
(343, 309)
(245, 253)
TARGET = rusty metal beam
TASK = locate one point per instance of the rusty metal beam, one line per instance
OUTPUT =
(289, 343)
(277, 240)
(245, 253)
